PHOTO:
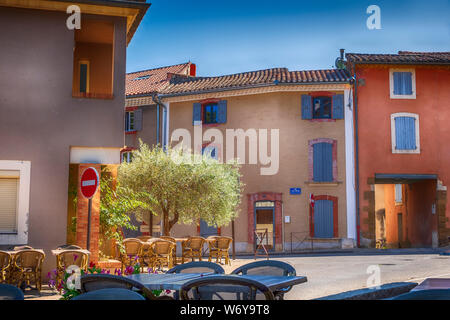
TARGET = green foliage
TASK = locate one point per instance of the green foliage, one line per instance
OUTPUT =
(183, 187)
(115, 206)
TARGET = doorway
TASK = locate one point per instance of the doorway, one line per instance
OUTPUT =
(264, 224)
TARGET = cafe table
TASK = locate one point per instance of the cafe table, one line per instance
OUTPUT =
(433, 283)
(174, 281)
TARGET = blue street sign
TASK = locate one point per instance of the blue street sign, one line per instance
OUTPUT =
(295, 190)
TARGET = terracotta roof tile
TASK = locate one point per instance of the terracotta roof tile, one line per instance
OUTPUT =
(253, 78)
(403, 57)
(153, 80)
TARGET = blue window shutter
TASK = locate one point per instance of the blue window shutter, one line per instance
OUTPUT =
(138, 119)
(323, 219)
(222, 112)
(197, 114)
(306, 106)
(338, 106)
(407, 83)
(405, 133)
(323, 162)
(83, 77)
(397, 83)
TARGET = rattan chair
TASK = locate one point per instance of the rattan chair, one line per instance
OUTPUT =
(93, 282)
(6, 261)
(69, 247)
(9, 292)
(132, 252)
(268, 267)
(163, 253)
(70, 258)
(19, 248)
(144, 238)
(192, 248)
(219, 249)
(224, 288)
(174, 253)
(27, 268)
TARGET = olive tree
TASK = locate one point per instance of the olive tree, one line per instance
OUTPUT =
(182, 187)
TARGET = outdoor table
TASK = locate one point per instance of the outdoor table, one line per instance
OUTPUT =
(55, 252)
(433, 283)
(174, 281)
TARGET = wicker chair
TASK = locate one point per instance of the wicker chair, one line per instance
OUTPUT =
(192, 248)
(174, 253)
(19, 248)
(144, 238)
(69, 247)
(163, 251)
(268, 267)
(27, 268)
(6, 261)
(147, 256)
(93, 282)
(219, 249)
(132, 254)
(224, 288)
(68, 258)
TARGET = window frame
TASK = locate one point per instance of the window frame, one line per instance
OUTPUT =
(129, 155)
(321, 107)
(311, 160)
(394, 137)
(86, 62)
(413, 83)
(128, 117)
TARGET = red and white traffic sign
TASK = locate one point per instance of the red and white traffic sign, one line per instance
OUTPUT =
(89, 182)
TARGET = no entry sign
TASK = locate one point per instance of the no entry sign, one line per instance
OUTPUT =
(89, 182)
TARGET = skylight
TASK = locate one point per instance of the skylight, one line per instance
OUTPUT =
(142, 77)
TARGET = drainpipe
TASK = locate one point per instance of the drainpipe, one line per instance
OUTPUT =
(159, 104)
(355, 106)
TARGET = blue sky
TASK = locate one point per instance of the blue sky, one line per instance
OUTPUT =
(225, 37)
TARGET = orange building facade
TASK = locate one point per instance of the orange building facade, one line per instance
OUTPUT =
(402, 116)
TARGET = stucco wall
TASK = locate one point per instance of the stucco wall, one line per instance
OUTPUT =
(375, 151)
(276, 111)
(39, 118)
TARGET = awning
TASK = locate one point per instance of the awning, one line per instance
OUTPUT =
(402, 178)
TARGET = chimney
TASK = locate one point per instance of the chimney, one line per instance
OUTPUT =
(342, 53)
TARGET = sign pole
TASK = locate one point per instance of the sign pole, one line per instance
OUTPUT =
(88, 244)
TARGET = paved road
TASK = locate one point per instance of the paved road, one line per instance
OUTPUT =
(335, 273)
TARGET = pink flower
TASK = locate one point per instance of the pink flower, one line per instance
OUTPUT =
(75, 257)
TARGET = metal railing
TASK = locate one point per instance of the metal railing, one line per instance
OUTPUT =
(303, 238)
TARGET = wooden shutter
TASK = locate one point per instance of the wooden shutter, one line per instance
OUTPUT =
(306, 106)
(8, 204)
(222, 111)
(323, 162)
(403, 83)
(138, 119)
(338, 106)
(197, 113)
(323, 219)
(405, 133)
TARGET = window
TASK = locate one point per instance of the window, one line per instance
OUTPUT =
(83, 67)
(129, 121)
(142, 77)
(210, 112)
(210, 151)
(398, 194)
(323, 162)
(127, 156)
(405, 133)
(322, 108)
(9, 189)
(402, 83)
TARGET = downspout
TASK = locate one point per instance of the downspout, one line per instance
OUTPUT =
(355, 105)
(159, 104)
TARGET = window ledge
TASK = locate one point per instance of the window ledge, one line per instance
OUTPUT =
(104, 96)
(396, 151)
(322, 120)
(209, 124)
(323, 184)
(131, 132)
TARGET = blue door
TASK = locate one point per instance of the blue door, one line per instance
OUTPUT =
(323, 219)
(205, 230)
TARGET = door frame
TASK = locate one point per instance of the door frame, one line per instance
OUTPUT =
(335, 215)
(273, 222)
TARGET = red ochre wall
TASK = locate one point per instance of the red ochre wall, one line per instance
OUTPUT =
(374, 116)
